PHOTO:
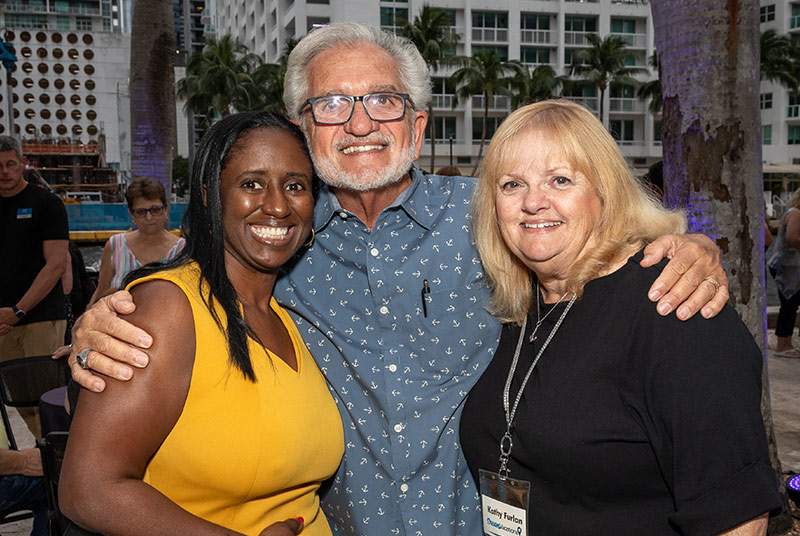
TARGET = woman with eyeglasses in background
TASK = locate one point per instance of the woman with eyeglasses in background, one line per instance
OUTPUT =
(149, 242)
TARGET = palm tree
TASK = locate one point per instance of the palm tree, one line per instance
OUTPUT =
(484, 74)
(266, 87)
(430, 33)
(780, 60)
(652, 88)
(533, 85)
(603, 64)
(152, 91)
(220, 78)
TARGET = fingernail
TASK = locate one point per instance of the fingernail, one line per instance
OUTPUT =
(683, 313)
(664, 308)
(654, 295)
(97, 387)
(145, 341)
(125, 373)
(300, 520)
(706, 313)
(141, 359)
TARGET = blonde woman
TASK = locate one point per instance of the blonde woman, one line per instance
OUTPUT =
(783, 259)
(596, 415)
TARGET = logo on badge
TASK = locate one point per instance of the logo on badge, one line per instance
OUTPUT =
(24, 213)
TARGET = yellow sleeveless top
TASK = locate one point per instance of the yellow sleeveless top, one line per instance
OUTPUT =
(244, 455)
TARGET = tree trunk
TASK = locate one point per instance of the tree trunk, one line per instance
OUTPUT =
(433, 137)
(483, 132)
(709, 61)
(152, 91)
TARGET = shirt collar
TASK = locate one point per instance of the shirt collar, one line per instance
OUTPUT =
(421, 201)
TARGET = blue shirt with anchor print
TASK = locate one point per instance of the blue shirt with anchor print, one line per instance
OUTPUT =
(399, 370)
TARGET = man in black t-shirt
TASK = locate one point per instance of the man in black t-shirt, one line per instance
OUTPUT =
(33, 250)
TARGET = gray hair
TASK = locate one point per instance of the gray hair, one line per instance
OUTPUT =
(411, 68)
(8, 143)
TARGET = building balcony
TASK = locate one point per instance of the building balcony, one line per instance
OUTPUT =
(490, 35)
(632, 2)
(632, 40)
(533, 65)
(632, 105)
(497, 102)
(444, 101)
(537, 37)
(577, 38)
(592, 103)
(445, 141)
(793, 111)
(454, 32)
(14, 7)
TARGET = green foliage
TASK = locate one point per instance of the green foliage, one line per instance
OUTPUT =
(534, 85)
(652, 88)
(180, 176)
(780, 60)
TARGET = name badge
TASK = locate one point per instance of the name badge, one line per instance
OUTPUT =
(504, 505)
(24, 213)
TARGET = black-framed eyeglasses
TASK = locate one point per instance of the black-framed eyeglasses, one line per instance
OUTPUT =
(338, 109)
(155, 210)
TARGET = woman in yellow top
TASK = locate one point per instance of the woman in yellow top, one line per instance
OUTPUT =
(231, 429)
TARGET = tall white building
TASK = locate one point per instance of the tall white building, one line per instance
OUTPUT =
(780, 114)
(534, 32)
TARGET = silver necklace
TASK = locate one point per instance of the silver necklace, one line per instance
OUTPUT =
(506, 442)
(539, 317)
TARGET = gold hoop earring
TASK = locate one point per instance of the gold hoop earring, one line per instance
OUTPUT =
(311, 240)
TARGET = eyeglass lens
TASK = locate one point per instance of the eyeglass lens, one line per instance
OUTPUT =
(379, 106)
(153, 211)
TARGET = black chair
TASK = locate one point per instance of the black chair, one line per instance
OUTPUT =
(52, 447)
(23, 381)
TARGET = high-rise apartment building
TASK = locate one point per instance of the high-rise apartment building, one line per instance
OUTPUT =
(780, 114)
(69, 86)
(535, 32)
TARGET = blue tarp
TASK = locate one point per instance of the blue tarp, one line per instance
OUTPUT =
(112, 216)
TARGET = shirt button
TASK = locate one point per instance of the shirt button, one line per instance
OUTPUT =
(392, 368)
(343, 215)
(374, 252)
(404, 487)
(398, 428)
(384, 310)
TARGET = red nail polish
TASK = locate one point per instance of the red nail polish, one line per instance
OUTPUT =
(300, 519)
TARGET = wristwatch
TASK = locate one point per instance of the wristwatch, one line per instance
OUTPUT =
(19, 313)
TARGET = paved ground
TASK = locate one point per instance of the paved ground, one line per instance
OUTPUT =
(784, 377)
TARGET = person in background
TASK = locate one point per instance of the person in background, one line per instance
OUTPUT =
(391, 297)
(232, 428)
(21, 484)
(783, 260)
(608, 418)
(149, 242)
(449, 171)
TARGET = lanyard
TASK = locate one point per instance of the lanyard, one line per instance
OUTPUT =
(506, 442)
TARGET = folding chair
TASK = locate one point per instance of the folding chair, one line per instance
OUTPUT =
(23, 381)
(52, 447)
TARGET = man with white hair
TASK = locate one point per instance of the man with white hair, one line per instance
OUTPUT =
(391, 297)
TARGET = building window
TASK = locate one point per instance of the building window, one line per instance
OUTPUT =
(794, 135)
(622, 130)
(765, 101)
(502, 52)
(657, 130)
(623, 26)
(489, 26)
(768, 13)
(580, 24)
(393, 19)
(535, 55)
(312, 22)
(445, 129)
(532, 21)
(766, 135)
(83, 24)
(794, 105)
(491, 126)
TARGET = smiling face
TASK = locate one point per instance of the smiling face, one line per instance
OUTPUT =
(361, 154)
(547, 212)
(267, 201)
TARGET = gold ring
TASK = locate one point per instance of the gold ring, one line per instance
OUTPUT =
(713, 282)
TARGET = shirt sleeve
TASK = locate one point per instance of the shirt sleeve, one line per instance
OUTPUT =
(703, 400)
(53, 219)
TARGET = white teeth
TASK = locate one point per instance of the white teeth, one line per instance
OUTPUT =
(265, 231)
(361, 148)
(541, 225)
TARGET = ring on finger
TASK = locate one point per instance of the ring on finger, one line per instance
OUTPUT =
(82, 359)
(713, 282)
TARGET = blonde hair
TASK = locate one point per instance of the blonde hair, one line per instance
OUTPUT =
(630, 216)
(794, 200)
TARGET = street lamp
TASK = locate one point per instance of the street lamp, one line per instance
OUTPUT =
(8, 59)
